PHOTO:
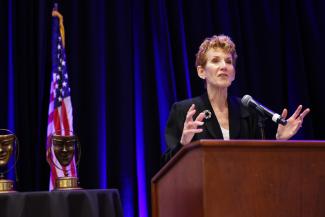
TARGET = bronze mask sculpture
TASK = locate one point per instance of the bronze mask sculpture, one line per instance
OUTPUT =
(64, 148)
(8, 147)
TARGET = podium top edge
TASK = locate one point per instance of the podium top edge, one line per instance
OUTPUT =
(241, 144)
(258, 143)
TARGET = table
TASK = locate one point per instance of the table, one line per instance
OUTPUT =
(76, 203)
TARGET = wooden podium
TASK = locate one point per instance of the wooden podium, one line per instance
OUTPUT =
(242, 178)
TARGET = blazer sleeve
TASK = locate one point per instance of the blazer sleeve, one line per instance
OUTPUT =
(173, 131)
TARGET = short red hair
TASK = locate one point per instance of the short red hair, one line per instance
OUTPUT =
(222, 42)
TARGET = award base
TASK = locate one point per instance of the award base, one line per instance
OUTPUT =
(6, 186)
(66, 183)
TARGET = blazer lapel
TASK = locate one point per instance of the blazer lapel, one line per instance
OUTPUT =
(234, 118)
(211, 124)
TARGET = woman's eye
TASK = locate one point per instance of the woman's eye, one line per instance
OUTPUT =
(229, 61)
(215, 60)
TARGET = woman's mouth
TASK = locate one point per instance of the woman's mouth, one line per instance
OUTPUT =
(223, 75)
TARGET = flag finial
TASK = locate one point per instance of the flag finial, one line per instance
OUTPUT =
(56, 7)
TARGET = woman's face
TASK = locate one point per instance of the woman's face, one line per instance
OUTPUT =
(6, 148)
(219, 71)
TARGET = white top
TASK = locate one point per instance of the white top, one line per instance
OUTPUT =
(225, 133)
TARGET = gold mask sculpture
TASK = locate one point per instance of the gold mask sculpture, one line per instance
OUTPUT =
(64, 149)
(8, 146)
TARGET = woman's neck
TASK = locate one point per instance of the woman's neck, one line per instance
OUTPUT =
(218, 98)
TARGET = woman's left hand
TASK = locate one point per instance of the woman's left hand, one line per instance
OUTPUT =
(293, 123)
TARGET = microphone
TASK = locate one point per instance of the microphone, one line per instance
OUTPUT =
(248, 101)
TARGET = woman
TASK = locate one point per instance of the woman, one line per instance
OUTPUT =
(215, 115)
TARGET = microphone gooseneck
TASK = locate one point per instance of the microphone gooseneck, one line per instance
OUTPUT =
(248, 101)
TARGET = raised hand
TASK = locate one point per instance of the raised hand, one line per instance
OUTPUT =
(294, 123)
(191, 126)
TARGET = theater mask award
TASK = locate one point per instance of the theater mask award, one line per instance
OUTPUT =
(60, 154)
(8, 149)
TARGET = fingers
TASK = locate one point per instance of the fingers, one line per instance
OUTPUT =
(301, 117)
(197, 130)
(191, 111)
(294, 123)
(297, 112)
(190, 126)
(284, 113)
(304, 113)
(193, 124)
(200, 117)
(189, 123)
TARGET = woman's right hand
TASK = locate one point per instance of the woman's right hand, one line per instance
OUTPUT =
(190, 126)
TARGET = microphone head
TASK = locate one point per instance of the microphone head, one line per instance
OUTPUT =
(246, 99)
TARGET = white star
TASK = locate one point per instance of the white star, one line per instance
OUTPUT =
(54, 76)
(59, 46)
(64, 84)
(66, 75)
(59, 68)
(60, 99)
(63, 63)
(57, 77)
(56, 86)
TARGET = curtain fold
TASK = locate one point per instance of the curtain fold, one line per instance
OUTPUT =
(129, 60)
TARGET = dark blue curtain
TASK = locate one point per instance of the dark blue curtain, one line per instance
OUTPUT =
(129, 60)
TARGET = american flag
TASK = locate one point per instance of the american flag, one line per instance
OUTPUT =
(60, 107)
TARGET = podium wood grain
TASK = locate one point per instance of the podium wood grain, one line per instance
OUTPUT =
(242, 178)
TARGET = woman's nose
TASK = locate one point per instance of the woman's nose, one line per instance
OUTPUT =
(222, 63)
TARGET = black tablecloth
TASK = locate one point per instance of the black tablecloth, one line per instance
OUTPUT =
(77, 203)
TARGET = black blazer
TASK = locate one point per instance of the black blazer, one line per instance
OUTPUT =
(242, 123)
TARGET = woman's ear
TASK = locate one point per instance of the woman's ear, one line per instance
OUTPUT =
(200, 72)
